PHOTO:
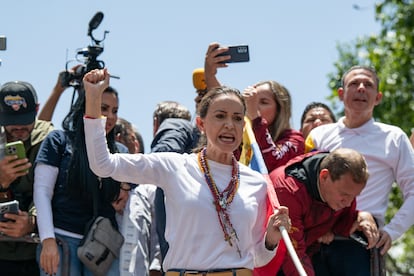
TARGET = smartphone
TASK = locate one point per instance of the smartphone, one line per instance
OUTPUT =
(238, 53)
(8, 207)
(360, 238)
(3, 43)
(16, 148)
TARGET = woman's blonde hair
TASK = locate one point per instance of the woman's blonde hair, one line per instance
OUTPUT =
(284, 108)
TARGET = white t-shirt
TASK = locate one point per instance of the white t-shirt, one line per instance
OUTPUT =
(193, 230)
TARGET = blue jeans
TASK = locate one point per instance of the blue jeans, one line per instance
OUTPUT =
(342, 258)
(76, 267)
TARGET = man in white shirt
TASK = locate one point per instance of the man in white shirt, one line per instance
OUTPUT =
(390, 158)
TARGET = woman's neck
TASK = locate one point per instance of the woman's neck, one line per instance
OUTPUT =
(219, 156)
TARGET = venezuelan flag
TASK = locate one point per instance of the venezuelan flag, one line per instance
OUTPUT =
(252, 156)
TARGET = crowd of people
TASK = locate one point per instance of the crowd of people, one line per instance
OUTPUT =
(190, 207)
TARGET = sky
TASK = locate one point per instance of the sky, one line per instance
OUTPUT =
(154, 46)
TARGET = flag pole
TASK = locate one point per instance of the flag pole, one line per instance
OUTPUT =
(272, 195)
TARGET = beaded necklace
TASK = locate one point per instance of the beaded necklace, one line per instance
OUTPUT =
(222, 200)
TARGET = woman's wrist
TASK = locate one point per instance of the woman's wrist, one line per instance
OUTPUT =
(89, 117)
(270, 246)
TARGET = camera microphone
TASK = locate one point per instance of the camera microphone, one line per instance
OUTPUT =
(95, 22)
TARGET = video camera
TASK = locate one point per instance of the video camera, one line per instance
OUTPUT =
(87, 56)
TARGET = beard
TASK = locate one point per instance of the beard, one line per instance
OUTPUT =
(18, 133)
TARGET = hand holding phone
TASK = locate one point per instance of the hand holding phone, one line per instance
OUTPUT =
(8, 207)
(360, 238)
(16, 148)
(238, 53)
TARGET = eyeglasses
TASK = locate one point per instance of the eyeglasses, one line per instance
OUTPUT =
(127, 186)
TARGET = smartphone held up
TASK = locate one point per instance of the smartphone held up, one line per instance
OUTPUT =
(239, 53)
(8, 207)
(16, 148)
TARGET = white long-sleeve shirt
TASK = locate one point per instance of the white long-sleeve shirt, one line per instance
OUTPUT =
(390, 158)
(192, 228)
